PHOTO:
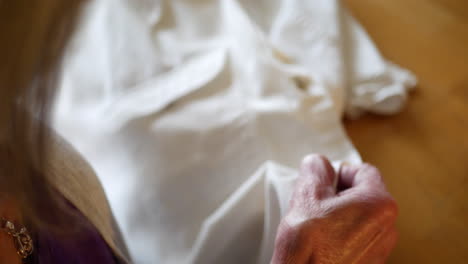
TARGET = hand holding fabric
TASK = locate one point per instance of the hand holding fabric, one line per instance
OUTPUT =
(353, 222)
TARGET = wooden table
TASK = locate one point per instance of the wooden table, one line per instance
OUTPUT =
(423, 151)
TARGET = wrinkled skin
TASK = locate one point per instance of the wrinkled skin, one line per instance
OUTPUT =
(353, 223)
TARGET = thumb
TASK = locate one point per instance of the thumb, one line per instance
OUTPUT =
(316, 178)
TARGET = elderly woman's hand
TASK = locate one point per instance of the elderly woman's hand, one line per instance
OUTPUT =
(352, 223)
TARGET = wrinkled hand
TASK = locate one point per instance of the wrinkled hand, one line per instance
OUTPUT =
(353, 223)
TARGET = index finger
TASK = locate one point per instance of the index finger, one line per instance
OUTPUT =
(363, 176)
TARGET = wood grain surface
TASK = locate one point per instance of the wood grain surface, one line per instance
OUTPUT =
(423, 151)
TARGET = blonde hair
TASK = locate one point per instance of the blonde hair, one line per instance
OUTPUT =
(33, 36)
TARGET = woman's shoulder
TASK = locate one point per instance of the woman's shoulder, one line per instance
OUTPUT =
(75, 179)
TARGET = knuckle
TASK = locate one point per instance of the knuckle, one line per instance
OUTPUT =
(391, 209)
(387, 209)
(371, 170)
(313, 158)
(380, 205)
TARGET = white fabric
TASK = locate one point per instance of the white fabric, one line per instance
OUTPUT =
(196, 114)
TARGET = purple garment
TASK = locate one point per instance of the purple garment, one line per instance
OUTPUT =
(86, 248)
